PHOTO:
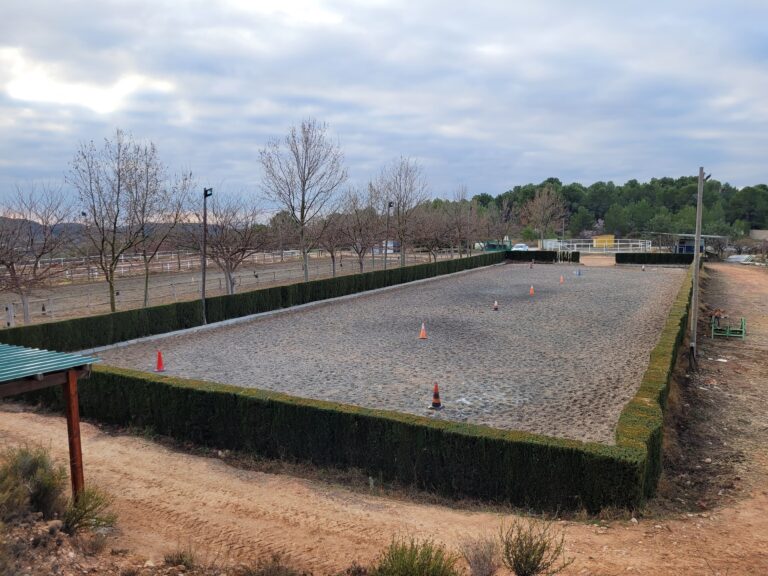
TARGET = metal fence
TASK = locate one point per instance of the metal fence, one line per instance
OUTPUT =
(598, 246)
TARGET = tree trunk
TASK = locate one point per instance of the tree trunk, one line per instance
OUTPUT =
(25, 305)
(402, 253)
(333, 264)
(304, 255)
(111, 281)
(229, 279)
(178, 260)
(146, 280)
(361, 260)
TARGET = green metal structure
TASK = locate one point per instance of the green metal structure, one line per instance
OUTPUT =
(17, 362)
(728, 330)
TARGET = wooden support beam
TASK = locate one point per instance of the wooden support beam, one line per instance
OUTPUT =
(73, 431)
(29, 384)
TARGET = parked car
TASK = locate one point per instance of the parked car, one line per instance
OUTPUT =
(520, 248)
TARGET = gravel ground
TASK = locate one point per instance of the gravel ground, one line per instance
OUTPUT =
(563, 362)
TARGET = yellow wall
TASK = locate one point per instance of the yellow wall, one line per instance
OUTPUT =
(603, 241)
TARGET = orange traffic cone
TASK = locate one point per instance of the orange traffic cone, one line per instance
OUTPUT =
(561, 279)
(531, 291)
(436, 404)
(496, 305)
(160, 365)
(423, 333)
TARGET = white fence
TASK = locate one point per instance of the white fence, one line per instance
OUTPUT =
(598, 246)
(167, 284)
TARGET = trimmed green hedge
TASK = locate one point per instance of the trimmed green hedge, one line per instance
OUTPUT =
(453, 459)
(641, 422)
(450, 458)
(538, 256)
(94, 331)
(652, 258)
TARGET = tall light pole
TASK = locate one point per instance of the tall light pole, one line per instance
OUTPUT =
(696, 260)
(386, 239)
(206, 192)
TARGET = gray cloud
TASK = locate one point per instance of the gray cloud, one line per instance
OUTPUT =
(489, 95)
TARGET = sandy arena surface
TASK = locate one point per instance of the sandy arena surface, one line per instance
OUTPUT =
(563, 362)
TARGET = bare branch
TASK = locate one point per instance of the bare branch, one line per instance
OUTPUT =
(302, 173)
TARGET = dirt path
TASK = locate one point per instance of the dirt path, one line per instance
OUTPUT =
(166, 498)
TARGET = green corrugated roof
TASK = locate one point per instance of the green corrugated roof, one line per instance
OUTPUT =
(17, 362)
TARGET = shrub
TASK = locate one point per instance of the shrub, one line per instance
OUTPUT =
(30, 482)
(91, 543)
(89, 510)
(181, 557)
(415, 558)
(274, 566)
(531, 548)
(481, 555)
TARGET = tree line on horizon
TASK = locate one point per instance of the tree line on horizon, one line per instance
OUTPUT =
(662, 205)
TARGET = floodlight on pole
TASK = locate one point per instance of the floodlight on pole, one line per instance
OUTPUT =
(206, 193)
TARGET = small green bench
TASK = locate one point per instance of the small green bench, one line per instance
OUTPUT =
(727, 329)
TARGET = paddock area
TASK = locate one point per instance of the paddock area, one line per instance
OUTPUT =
(563, 361)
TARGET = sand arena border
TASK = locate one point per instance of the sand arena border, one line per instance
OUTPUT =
(562, 363)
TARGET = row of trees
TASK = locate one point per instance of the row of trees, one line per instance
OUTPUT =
(127, 202)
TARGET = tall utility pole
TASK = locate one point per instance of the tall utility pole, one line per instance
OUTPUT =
(696, 260)
(386, 239)
(206, 192)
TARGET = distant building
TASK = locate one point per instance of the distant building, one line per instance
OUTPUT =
(686, 243)
(393, 247)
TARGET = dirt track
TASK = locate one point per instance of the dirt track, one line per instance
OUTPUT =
(166, 498)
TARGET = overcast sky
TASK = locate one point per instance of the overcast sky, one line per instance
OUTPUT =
(485, 94)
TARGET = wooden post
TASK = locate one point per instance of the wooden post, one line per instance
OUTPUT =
(73, 431)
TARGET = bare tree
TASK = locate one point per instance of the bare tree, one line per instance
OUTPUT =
(302, 173)
(362, 223)
(333, 238)
(283, 232)
(32, 231)
(433, 230)
(159, 204)
(403, 183)
(546, 207)
(497, 220)
(104, 180)
(459, 216)
(235, 232)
